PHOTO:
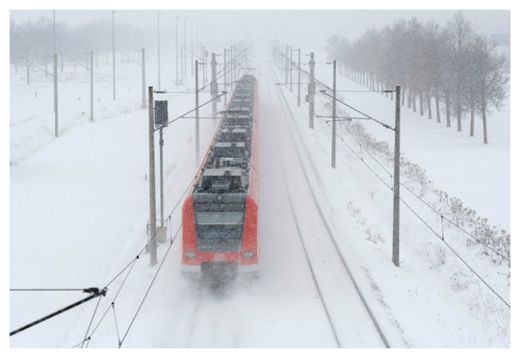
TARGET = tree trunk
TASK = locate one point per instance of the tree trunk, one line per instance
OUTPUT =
(421, 106)
(484, 119)
(429, 102)
(402, 97)
(472, 117)
(437, 111)
(409, 104)
(448, 119)
(459, 113)
(414, 102)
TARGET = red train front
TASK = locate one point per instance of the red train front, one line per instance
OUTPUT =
(220, 216)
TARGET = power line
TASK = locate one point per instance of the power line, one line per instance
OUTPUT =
(475, 239)
(431, 229)
(149, 287)
(129, 266)
(191, 111)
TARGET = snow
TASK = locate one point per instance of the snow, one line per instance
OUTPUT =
(464, 167)
(79, 209)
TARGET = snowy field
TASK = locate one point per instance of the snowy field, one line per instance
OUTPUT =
(79, 209)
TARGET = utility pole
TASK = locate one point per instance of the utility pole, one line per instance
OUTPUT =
(204, 54)
(235, 65)
(290, 69)
(191, 41)
(397, 157)
(311, 91)
(158, 51)
(185, 57)
(161, 181)
(53, 31)
(231, 69)
(225, 77)
(333, 154)
(113, 55)
(151, 178)
(299, 75)
(91, 86)
(213, 83)
(143, 63)
(176, 50)
(286, 63)
(56, 95)
(197, 139)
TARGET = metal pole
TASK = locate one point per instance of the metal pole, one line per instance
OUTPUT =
(213, 83)
(204, 68)
(113, 55)
(161, 144)
(56, 95)
(290, 69)
(184, 47)
(191, 41)
(197, 111)
(299, 75)
(53, 31)
(397, 155)
(225, 77)
(312, 90)
(333, 152)
(233, 63)
(286, 63)
(158, 52)
(91, 85)
(143, 63)
(94, 294)
(151, 175)
(176, 50)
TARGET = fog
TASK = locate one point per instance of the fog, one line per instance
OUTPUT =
(309, 28)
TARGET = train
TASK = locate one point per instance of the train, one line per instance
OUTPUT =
(220, 214)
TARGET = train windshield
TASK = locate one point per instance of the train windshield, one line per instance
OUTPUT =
(219, 231)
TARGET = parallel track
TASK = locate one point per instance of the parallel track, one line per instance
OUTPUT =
(331, 237)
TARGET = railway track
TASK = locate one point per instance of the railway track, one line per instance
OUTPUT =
(328, 232)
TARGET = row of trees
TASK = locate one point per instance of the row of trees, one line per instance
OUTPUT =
(33, 41)
(453, 67)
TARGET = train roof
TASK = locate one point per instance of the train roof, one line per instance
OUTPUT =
(227, 167)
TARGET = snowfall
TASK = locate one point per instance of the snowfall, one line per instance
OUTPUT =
(79, 211)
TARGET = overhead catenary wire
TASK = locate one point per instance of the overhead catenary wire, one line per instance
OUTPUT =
(456, 225)
(136, 257)
(128, 268)
(149, 287)
(190, 111)
(92, 319)
(502, 299)
(429, 226)
(441, 215)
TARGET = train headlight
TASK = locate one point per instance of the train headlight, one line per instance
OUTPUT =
(248, 255)
(190, 255)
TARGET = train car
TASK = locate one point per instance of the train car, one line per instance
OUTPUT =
(220, 216)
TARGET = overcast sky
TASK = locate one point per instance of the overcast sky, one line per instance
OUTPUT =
(302, 27)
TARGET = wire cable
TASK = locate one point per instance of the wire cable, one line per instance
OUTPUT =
(149, 288)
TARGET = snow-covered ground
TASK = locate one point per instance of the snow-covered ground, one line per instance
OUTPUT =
(464, 167)
(79, 210)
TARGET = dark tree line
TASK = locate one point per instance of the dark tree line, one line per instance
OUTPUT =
(450, 71)
(33, 41)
